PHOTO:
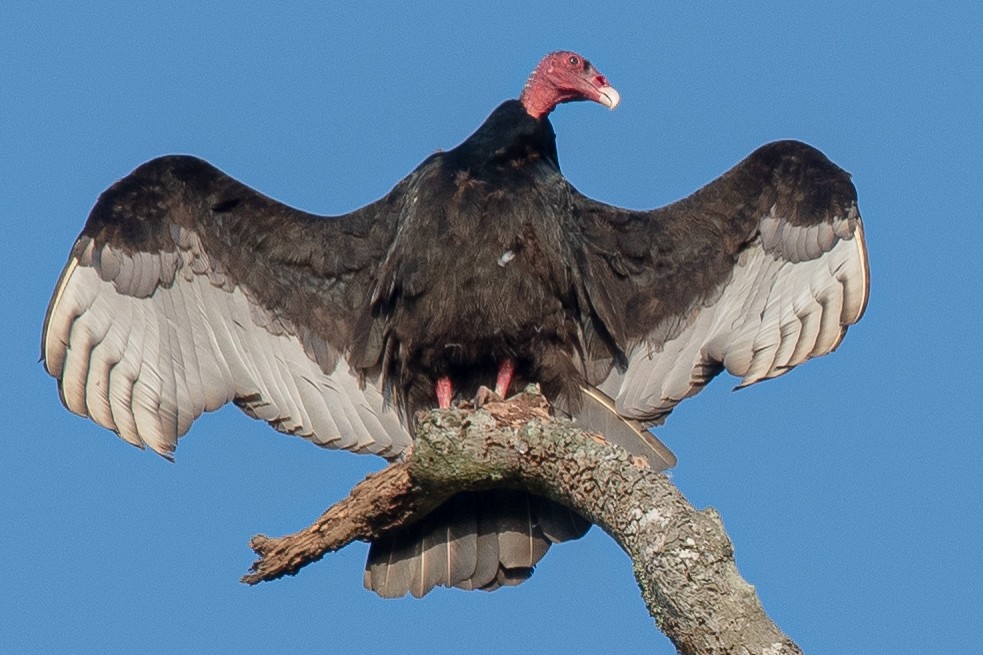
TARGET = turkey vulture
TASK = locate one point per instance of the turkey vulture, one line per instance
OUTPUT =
(187, 290)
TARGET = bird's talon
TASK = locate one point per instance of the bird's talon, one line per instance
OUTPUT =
(485, 396)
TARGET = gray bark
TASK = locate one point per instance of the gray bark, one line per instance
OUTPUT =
(683, 559)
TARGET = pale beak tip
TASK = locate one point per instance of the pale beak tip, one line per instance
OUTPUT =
(609, 97)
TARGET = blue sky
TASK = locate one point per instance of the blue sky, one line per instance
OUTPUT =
(850, 487)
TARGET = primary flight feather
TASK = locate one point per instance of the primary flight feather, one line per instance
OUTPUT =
(187, 290)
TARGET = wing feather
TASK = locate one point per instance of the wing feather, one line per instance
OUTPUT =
(755, 273)
(84, 337)
(121, 378)
(188, 394)
(188, 290)
(171, 364)
(148, 386)
(101, 362)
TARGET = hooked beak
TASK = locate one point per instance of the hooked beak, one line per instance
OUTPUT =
(608, 96)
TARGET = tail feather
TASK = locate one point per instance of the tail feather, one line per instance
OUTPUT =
(395, 568)
(598, 413)
(488, 563)
(521, 541)
(476, 540)
(558, 522)
(489, 539)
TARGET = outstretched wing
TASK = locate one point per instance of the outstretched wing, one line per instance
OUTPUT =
(187, 290)
(757, 272)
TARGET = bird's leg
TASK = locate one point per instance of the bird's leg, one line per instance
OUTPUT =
(505, 372)
(502, 383)
(444, 392)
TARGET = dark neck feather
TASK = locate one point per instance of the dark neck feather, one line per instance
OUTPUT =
(508, 134)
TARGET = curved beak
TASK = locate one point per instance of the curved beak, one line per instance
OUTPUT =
(608, 96)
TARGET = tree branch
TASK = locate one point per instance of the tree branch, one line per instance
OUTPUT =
(683, 559)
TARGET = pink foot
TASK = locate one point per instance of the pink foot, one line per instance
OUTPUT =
(485, 396)
(444, 392)
(505, 372)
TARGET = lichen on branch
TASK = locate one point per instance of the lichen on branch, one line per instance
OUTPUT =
(682, 557)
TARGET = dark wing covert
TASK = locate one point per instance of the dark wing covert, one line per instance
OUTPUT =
(755, 273)
(187, 290)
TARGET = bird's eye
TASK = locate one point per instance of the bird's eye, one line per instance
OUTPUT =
(574, 61)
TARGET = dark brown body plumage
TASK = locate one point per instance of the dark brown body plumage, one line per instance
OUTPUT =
(187, 290)
(482, 245)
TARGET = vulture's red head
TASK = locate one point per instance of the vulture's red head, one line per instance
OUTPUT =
(565, 77)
